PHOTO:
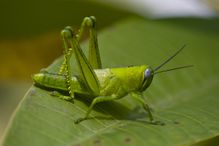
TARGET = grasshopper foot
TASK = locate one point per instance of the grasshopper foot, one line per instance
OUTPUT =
(79, 120)
(67, 98)
(57, 94)
(157, 123)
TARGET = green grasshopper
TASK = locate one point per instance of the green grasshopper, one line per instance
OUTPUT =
(99, 84)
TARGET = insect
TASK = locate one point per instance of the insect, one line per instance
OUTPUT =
(100, 84)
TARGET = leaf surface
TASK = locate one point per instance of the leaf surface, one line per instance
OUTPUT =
(185, 101)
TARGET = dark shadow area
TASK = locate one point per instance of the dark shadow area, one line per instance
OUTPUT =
(209, 142)
(113, 110)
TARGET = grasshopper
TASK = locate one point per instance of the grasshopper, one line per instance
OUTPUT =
(100, 84)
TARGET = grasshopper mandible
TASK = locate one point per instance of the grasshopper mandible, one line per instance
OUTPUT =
(94, 81)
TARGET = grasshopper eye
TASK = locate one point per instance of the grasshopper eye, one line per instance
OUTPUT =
(148, 76)
(147, 73)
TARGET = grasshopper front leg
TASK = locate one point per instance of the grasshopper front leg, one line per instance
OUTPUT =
(139, 98)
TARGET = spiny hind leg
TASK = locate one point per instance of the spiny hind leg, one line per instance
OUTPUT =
(66, 67)
(94, 54)
(86, 66)
(67, 52)
(86, 73)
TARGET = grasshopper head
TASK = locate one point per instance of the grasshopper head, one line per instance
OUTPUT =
(149, 72)
(148, 77)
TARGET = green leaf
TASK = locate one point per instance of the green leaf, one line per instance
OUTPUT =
(185, 101)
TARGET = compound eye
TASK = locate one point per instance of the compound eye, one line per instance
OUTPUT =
(147, 73)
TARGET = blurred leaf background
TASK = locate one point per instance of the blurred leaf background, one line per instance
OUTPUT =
(29, 39)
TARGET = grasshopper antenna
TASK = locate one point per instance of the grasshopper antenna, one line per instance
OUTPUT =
(171, 57)
(187, 66)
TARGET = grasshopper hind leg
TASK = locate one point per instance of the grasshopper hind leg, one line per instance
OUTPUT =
(87, 74)
(65, 68)
(86, 71)
(86, 66)
(89, 23)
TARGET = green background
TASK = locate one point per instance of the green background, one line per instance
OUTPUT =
(30, 41)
